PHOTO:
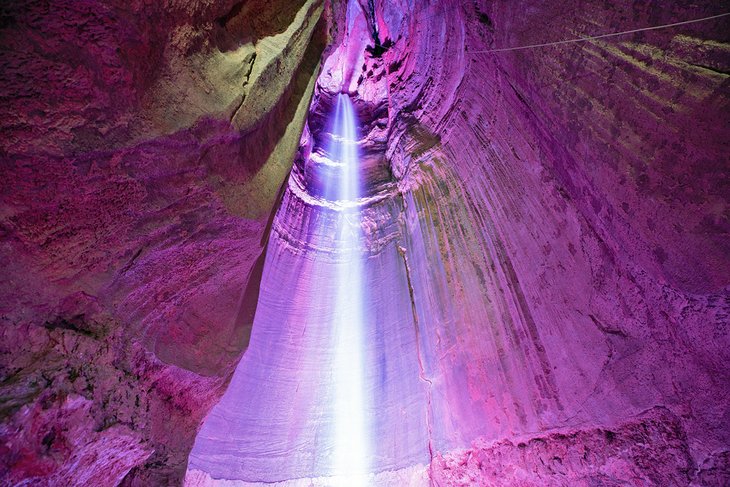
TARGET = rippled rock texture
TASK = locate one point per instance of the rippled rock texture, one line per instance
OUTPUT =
(566, 220)
(547, 231)
(532, 243)
(143, 147)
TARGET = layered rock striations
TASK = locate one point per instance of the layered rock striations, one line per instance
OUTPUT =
(546, 234)
(280, 418)
(566, 227)
(143, 147)
(520, 206)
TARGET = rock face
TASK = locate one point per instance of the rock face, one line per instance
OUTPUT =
(546, 232)
(520, 277)
(543, 190)
(143, 147)
(627, 456)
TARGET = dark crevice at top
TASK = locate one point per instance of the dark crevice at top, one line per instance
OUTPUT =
(379, 47)
(75, 324)
(484, 19)
(222, 21)
(373, 21)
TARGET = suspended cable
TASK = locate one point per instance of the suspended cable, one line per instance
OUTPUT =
(602, 36)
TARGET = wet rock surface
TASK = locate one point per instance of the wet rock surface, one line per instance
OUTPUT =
(534, 186)
(648, 450)
(556, 220)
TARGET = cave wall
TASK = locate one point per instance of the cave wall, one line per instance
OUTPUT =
(566, 223)
(143, 148)
(560, 215)
(281, 419)
(555, 340)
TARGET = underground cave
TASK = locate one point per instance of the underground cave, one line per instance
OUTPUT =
(358, 243)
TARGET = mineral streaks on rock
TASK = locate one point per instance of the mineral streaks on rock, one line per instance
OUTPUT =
(287, 429)
(553, 220)
(542, 189)
(290, 430)
(130, 229)
(532, 312)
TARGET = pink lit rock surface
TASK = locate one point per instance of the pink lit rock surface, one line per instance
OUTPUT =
(566, 220)
(130, 224)
(627, 455)
(286, 429)
(553, 220)
(542, 301)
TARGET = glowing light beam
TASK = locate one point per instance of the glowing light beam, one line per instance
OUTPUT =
(351, 440)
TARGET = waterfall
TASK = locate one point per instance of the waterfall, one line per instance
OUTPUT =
(330, 387)
(351, 442)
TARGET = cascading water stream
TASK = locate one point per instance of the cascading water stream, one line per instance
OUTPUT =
(351, 401)
(330, 366)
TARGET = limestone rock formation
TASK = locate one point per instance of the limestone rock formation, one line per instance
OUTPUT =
(516, 257)
(575, 207)
(546, 228)
(143, 147)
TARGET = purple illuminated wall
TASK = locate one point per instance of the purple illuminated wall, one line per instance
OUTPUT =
(513, 288)
(532, 279)
(334, 339)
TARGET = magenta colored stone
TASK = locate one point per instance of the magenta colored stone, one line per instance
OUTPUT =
(546, 233)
